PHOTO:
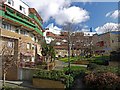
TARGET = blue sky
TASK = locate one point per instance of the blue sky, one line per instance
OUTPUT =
(97, 15)
(97, 12)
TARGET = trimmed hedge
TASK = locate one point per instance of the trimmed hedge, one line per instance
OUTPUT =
(54, 75)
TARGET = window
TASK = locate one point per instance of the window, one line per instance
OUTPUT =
(28, 45)
(33, 59)
(10, 44)
(22, 9)
(26, 33)
(36, 39)
(112, 41)
(22, 32)
(11, 2)
(6, 26)
(33, 47)
(17, 30)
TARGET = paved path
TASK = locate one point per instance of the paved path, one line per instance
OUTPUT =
(20, 84)
(78, 65)
(60, 64)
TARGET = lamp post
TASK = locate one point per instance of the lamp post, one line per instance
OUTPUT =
(69, 52)
(69, 28)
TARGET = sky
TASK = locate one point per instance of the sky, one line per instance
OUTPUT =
(101, 16)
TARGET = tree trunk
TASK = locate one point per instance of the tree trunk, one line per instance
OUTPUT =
(4, 77)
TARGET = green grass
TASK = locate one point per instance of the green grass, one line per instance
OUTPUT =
(74, 68)
(95, 59)
(99, 57)
(72, 59)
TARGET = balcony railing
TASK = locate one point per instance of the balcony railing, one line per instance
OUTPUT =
(12, 14)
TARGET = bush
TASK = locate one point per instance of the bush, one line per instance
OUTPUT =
(92, 66)
(7, 88)
(75, 71)
(102, 80)
(103, 69)
(54, 75)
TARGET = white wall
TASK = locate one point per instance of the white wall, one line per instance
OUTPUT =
(17, 4)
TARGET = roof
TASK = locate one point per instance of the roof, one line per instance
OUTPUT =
(32, 10)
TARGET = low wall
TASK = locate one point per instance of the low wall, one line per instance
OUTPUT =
(44, 83)
(26, 74)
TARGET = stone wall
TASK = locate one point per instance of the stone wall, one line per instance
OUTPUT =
(44, 83)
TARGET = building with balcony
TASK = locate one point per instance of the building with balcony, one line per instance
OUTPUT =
(106, 42)
(20, 23)
(79, 43)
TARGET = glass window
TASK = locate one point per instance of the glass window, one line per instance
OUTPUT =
(33, 59)
(22, 9)
(10, 44)
(6, 26)
(11, 2)
(22, 32)
(17, 30)
(33, 47)
(28, 45)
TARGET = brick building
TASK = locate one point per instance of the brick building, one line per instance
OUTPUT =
(22, 24)
(79, 43)
(106, 42)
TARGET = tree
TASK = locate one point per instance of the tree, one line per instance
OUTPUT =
(48, 52)
(51, 52)
(7, 59)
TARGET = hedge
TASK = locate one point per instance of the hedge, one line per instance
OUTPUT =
(54, 75)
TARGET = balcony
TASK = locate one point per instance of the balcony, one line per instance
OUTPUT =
(18, 18)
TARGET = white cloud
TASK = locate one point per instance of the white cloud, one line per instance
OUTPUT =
(48, 8)
(72, 14)
(59, 10)
(113, 14)
(107, 28)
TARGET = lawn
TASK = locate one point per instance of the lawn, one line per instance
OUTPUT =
(72, 59)
(99, 57)
(74, 68)
(82, 60)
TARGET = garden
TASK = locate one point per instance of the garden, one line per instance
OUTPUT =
(98, 73)
(98, 59)
(94, 76)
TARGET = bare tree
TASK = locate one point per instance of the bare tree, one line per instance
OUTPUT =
(7, 60)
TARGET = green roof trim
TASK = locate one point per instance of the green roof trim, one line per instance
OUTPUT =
(36, 19)
(20, 20)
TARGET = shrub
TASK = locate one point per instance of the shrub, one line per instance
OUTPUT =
(75, 71)
(118, 71)
(102, 80)
(103, 69)
(54, 75)
(92, 66)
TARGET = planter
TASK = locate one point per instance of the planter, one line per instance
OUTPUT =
(45, 83)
